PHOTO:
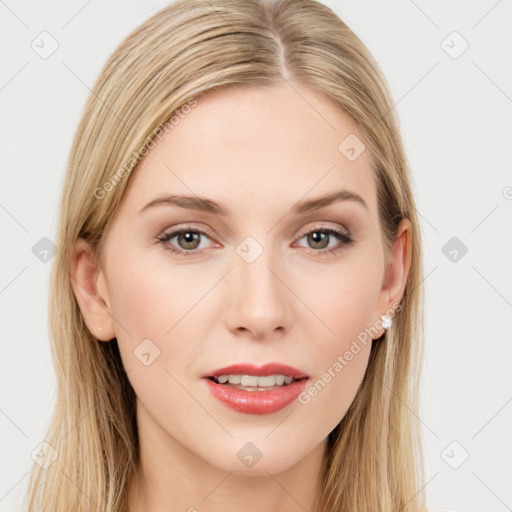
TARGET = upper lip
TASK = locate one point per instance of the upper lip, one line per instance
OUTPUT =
(251, 369)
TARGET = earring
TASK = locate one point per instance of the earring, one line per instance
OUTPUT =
(386, 321)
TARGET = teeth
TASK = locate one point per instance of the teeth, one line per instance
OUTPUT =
(254, 380)
(249, 380)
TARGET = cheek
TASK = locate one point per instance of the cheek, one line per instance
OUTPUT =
(160, 301)
(149, 296)
(341, 366)
(140, 300)
(153, 307)
(345, 301)
(331, 393)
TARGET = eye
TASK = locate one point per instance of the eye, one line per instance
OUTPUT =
(188, 240)
(320, 237)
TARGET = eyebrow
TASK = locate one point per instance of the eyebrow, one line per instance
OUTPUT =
(210, 206)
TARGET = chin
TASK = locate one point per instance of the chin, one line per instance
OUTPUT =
(254, 458)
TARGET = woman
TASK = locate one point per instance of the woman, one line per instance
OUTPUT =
(236, 301)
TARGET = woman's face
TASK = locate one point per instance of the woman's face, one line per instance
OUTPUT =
(263, 281)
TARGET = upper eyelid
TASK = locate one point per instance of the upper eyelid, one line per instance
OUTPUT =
(325, 227)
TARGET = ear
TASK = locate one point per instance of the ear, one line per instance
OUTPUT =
(90, 290)
(395, 278)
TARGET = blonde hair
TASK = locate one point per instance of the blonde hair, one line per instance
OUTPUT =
(375, 459)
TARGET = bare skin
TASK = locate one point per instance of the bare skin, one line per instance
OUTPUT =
(257, 152)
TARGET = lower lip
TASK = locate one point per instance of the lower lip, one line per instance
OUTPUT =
(256, 402)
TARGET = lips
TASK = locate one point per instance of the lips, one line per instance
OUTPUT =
(256, 402)
(251, 369)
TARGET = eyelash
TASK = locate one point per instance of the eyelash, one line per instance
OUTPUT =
(346, 240)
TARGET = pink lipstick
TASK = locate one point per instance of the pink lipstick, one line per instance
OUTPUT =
(245, 391)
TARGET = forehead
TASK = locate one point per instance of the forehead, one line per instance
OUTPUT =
(246, 147)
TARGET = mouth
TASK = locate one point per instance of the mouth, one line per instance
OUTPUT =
(251, 389)
(255, 382)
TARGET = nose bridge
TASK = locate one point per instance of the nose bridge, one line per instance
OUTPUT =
(258, 298)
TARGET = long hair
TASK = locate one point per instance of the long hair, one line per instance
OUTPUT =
(375, 458)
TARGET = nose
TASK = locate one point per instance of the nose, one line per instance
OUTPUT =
(258, 300)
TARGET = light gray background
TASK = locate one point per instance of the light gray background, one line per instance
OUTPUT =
(456, 122)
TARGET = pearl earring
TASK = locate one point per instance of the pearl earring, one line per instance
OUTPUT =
(386, 321)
